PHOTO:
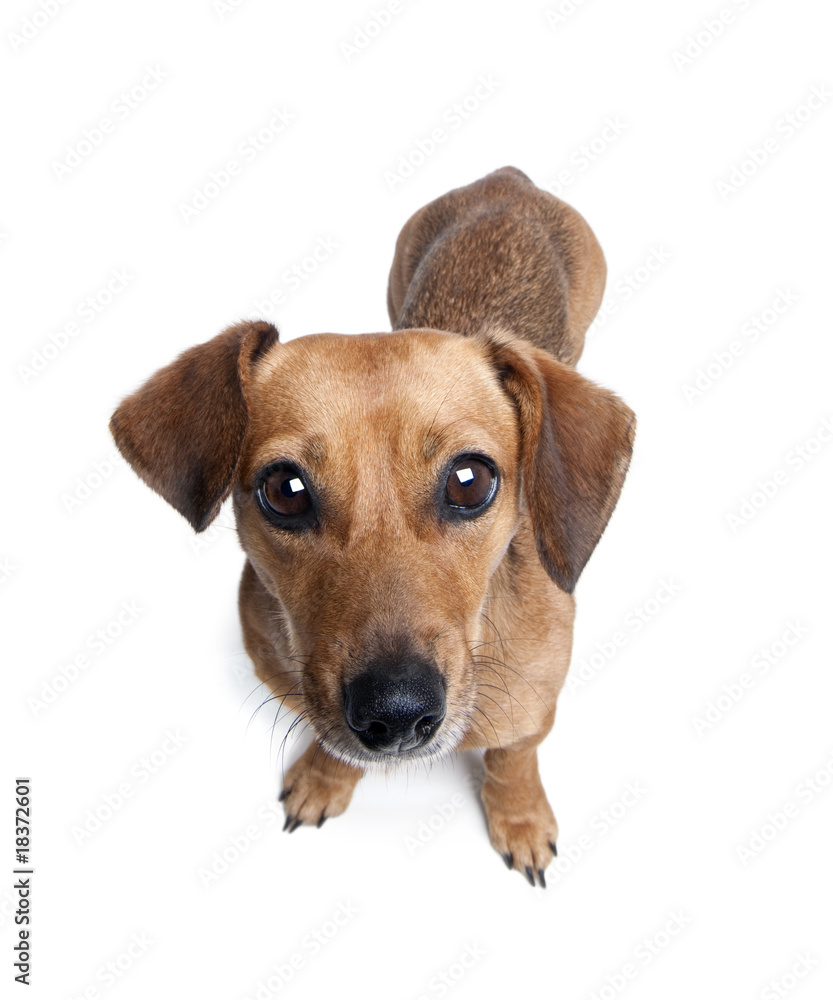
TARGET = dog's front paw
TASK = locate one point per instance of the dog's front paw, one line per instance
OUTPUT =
(522, 828)
(316, 787)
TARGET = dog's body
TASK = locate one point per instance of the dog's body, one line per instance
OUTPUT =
(503, 253)
(416, 506)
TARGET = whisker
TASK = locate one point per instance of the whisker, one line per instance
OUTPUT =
(477, 708)
(301, 718)
(502, 662)
(489, 662)
(320, 741)
(445, 397)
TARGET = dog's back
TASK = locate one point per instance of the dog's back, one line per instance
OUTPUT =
(499, 253)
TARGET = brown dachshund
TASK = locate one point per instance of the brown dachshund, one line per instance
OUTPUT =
(415, 506)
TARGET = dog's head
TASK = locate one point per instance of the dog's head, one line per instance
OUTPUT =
(378, 481)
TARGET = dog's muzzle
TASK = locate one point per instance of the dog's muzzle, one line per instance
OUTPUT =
(393, 707)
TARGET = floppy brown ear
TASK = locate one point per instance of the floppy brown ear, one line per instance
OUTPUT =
(182, 431)
(576, 443)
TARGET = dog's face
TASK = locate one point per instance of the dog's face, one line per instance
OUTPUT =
(377, 492)
(378, 481)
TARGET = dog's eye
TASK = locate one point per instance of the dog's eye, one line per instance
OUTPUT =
(284, 491)
(471, 483)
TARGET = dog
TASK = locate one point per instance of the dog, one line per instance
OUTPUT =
(415, 506)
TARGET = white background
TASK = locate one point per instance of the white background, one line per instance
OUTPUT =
(711, 592)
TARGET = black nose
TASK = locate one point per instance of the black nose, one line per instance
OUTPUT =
(394, 707)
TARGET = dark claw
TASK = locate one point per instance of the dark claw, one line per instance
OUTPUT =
(508, 859)
(529, 875)
(554, 849)
(541, 880)
(288, 821)
(320, 822)
(295, 825)
(284, 794)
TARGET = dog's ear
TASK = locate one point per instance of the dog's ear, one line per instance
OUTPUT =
(576, 443)
(182, 431)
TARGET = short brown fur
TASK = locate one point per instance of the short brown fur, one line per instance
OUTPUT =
(491, 290)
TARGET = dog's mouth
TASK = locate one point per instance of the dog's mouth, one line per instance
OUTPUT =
(394, 740)
(371, 748)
